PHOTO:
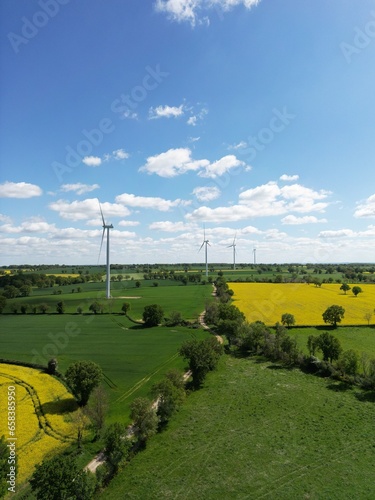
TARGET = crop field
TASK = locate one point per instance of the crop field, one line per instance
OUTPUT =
(267, 302)
(259, 431)
(44, 414)
(131, 357)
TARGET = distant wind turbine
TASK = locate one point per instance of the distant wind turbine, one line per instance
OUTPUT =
(255, 255)
(206, 243)
(234, 251)
(108, 278)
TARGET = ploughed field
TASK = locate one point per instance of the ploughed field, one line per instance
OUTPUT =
(267, 302)
(258, 430)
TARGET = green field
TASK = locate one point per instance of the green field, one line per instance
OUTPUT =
(133, 358)
(259, 431)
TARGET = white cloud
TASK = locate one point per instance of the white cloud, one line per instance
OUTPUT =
(367, 208)
(307, 219)
(87, 209)
(190, 10)
(289, 178)
(207, 193)
(240, 145)
(264, 201)
(337, 234)
(79, 188)
(220, 167)
(120, 154)
(179, 161)
(155, 203)
(30, 226)
(171, 163)
(192, 121)
(165, 112)
(19, 190)
(92, 161)
(5, 218)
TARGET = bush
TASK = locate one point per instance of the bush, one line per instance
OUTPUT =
(152, 315)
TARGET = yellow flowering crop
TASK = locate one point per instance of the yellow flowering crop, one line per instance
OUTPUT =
(44, 415)
(267, 302)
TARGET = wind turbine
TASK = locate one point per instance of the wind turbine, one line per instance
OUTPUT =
(234, 251)
(108, 278)
(255, 255)
(205, 242)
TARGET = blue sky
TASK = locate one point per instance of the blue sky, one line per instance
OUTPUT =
(253, 119)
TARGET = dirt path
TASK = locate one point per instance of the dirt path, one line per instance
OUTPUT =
(203, 324)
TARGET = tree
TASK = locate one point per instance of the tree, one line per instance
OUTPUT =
(60, 307)
(96, 307)
(356, 290)
(329, 345)
(202, 356)
(24, 308)
(333, 315)
(43, 308)
(137, 284)
(368, 317)
(3, 302)
(61, 478)
(125, 308)
(82, 377)
(345, 287)
(117, 448)
(288, 319)
(25, 290)
(312, 344)
(10, 292)
(169, 397)
(52, 366)
(97, 409)
(348, 362)
(144, 418)
(152, 315)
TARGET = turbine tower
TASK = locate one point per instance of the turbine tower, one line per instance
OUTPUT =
(234, 252)
(108, 277)
(205, 242)
(255, 255)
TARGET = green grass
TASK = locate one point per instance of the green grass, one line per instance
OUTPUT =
(172, 296)
(133, 358)
(259, 431)
(360, 339)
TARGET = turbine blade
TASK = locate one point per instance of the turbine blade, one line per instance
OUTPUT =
(200, 248)
(101, 211)
(101, 244)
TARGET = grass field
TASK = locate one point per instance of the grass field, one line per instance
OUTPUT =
(258, 431)
(44, 414)
(268, 301)
(132, 358)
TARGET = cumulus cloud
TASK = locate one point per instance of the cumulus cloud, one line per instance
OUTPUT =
(152, 202)
(289, 178)
(337, 234)
(19, 190)
(206, 193)
(87, 209)
(79, 188)
(179, 161)
(120, 154)
(92, 161)
(128, 223)
(192, 11)
(165, 112)
(307, 219)
(265, 201)
(366, 208)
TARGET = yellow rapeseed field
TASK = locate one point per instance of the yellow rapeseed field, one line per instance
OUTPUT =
(267, 302)
(44, 414)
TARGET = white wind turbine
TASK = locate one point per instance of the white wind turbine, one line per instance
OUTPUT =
(234, 251)
(108, 278)
(255, 255)
(206, 243)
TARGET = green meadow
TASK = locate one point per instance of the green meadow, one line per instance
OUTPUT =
(132, 358)
(258, 430)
